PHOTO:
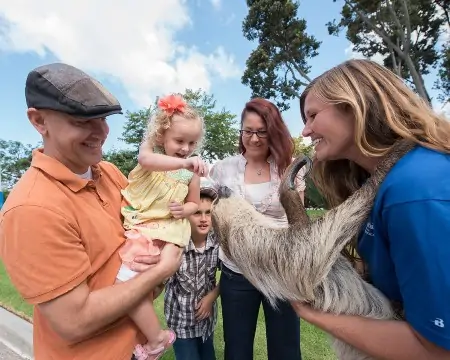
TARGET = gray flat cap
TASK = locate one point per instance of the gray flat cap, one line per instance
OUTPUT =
(65, 88)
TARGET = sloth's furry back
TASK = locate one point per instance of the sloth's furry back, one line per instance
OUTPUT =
(303, 261)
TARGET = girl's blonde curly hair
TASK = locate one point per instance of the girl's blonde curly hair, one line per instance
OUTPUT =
(160, 122)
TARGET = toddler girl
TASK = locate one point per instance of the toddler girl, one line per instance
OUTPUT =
(163, 189)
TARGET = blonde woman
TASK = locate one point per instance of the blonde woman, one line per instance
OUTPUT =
(353, 114)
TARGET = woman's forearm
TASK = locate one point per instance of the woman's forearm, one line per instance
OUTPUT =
(381, 339)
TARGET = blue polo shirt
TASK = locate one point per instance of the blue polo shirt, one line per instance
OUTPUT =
(406, 241)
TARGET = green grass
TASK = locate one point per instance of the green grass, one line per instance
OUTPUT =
(314, 343)
(315, 213)
(10, 298)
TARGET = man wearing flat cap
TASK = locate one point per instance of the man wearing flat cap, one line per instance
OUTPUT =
(61, 228)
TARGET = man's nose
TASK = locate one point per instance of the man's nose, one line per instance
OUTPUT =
(100, 127)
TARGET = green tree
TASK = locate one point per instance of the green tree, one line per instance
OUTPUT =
(278, 67)
(124, 159)
(135, 126)
(300, 147)
(404, 32)
(15, 159)
(220, 136)
(442, 84)
(313, 198)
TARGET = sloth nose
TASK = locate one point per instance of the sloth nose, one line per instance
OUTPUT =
(224, 192)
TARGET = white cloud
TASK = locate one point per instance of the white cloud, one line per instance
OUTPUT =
(216, 3)
(133, 42)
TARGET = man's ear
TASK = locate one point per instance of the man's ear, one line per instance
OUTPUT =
(37, 119)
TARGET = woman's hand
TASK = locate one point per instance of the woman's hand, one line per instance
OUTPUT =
(305, 311)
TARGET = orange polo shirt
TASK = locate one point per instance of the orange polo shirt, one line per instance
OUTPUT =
(56, 231)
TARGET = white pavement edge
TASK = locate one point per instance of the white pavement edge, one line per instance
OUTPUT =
(16, 333)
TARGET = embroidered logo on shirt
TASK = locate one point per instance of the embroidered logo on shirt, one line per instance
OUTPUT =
(369, 229)
(439, 322)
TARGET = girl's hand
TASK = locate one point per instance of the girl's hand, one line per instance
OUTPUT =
(176, 209)
(196, 165)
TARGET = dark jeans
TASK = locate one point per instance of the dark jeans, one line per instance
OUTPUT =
(240, 307)
(194, 349)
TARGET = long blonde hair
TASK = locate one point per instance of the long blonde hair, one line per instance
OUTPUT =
(384, 110)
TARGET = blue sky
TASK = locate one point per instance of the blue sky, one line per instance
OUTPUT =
(141, 50)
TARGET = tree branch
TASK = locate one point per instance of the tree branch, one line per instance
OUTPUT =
(379, 32)
(399, 62)
(288, 65)
(407, 25)
(397, 23)
(302, 73)
(291, 90)
(394, 61)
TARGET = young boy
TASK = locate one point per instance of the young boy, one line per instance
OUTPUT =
(190, 294)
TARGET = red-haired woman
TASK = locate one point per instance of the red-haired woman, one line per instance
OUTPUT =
(266, 150)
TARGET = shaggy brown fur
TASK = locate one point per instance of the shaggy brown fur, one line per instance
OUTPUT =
(303, 262)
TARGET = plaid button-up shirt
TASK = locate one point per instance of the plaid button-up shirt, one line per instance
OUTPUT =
(195, 278)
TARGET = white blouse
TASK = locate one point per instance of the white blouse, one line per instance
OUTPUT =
(263, 196)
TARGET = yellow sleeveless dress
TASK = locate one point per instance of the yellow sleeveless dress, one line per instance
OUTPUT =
(147, 218)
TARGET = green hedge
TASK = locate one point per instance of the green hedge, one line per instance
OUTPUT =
(313, 198)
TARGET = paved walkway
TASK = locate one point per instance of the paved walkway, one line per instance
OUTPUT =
(16, 337)
(7, 354)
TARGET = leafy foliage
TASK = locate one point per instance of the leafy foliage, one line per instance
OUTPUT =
(15, 159)
(301, 148)
(404, 33)
(443, 82)
(124, 159)
(278, 67)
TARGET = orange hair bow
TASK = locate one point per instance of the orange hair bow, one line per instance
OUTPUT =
(172, 103)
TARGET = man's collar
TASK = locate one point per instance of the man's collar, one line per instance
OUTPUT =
(60, 172)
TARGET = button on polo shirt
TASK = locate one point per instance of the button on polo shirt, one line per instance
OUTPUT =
(56, 231)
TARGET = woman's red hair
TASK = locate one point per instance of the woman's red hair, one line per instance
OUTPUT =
(281, 145)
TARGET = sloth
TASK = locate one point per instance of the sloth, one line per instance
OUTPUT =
(304, 261)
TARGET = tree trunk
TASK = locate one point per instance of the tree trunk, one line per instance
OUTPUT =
(417, 79)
